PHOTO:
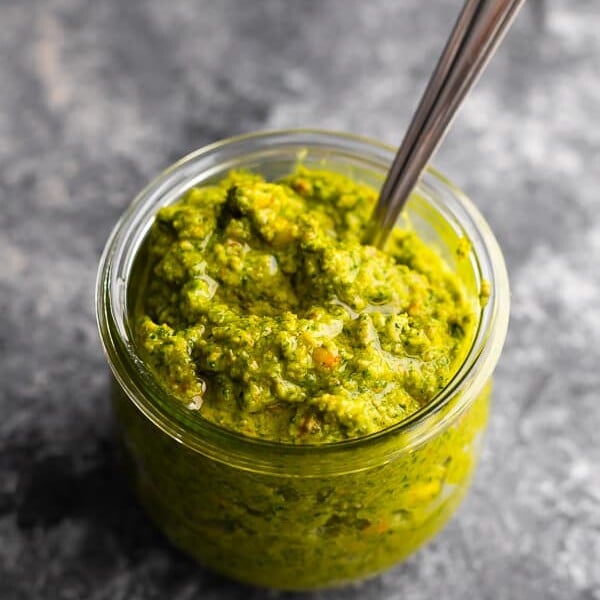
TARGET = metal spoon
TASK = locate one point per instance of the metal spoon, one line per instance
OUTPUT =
(477, 33)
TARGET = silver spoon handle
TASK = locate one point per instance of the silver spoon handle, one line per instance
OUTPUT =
(477, 33)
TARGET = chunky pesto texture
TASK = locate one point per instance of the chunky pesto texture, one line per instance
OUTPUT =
(260, 309)
(264, 312)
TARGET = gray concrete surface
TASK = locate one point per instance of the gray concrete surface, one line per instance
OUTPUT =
(97, 96)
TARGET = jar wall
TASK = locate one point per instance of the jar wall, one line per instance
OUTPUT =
(300, 532)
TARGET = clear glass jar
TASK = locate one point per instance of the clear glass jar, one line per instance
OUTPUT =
(297, 516)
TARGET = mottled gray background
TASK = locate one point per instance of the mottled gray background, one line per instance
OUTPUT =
(97, 96)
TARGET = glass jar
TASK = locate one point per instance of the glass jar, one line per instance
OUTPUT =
(299, 516)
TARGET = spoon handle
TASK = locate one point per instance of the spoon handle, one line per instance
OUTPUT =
(477, 33)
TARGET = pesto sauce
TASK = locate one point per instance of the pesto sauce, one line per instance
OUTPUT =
(265, 313)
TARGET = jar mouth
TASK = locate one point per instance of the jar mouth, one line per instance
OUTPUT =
(171, 416)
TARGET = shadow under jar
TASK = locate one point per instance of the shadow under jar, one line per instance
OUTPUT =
(302, 516)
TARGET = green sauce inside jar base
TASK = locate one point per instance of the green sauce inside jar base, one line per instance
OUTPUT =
(300, 533)
(261, 311)
(265, 313)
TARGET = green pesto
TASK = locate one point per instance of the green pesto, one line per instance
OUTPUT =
(265, 313)
(306, 531)
(260, 310)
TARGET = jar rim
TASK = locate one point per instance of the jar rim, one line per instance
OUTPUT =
(252, 453)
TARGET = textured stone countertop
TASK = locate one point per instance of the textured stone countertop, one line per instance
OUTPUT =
(97, 97)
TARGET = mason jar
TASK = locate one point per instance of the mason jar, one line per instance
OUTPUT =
(302, 516)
